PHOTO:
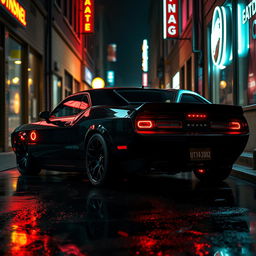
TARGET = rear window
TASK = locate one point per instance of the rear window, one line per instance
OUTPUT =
(141, 96)
(188, 98)
(106, 97)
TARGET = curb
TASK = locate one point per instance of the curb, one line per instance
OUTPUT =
(7, 161)
(244, 173)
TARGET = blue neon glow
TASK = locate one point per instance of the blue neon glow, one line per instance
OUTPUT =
(111, 77)
(243, 32)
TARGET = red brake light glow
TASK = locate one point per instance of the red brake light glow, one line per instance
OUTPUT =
(235, 125)
(145, 124)
(201, 170)
(33, 136)
(122, 147)
(196, 116)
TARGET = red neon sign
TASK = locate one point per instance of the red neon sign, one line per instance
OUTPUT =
(87, 16)
(16, 10)
(171, 18)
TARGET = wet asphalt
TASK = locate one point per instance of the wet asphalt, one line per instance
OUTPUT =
(60, 213)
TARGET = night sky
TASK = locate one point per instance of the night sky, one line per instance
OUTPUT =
(129, 26)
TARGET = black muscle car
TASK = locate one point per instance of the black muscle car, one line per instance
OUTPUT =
(106, 132)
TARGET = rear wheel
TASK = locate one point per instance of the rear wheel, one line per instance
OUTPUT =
(97, 160)
(26, 164)
(213, 175)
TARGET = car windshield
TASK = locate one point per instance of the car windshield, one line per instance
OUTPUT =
(145, 95)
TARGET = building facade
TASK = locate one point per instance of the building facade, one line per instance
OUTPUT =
(43, 58)
(213, 54)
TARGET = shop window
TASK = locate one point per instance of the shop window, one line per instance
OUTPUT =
(77, 86)
(56, 90)
(176, 81)
(13, 85)
(34, 75)
(68, 84)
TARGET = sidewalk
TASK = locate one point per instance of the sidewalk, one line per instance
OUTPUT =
(242, 168)
(7, 161)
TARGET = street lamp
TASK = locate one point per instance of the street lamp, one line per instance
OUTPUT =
(98, 83)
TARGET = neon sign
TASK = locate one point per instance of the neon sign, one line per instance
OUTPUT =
(16, 10)
(249, 11)
(87, 16)
(170, 18)
(221, 43)
(145, 55)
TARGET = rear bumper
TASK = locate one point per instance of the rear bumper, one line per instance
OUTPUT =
(175, 149)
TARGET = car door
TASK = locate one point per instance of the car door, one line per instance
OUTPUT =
(60, 135)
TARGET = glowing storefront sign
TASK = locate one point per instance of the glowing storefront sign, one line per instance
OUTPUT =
(145, 55)
(87, 16)
(249, 11)
(16, 10)
(170, 18)
(221, 42)
(243, 32)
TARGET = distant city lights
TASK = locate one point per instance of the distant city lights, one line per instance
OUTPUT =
(145, 79)
(111, 77)
(145, 55)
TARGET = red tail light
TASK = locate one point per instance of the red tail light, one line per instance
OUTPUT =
(235, 125)
(145, 124)
(33, 136)
(196, 116)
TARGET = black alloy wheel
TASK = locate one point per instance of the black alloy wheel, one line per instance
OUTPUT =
(97, 160)
(26, 164)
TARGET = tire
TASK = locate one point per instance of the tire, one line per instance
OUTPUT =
(214, 175)
(26, 164)
(97, 160)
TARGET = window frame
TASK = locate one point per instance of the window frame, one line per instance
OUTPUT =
(68, 98)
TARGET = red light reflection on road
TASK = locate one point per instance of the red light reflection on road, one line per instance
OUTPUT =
(171, 230)
(26, 238)
(71, 249)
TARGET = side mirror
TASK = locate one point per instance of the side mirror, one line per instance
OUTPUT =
(45, 115)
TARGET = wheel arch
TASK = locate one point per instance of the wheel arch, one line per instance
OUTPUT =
(100, 129)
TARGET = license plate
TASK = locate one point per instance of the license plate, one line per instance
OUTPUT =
(200, 154)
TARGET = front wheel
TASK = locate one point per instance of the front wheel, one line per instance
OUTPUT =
(97, 160)
(213, 175)
(26, 164)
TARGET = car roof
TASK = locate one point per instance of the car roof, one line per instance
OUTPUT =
(129, 88)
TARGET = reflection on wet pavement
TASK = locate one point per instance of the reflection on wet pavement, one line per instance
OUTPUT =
(61, 214)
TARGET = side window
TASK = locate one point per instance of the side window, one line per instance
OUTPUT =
(71, 106)
(188, 98)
